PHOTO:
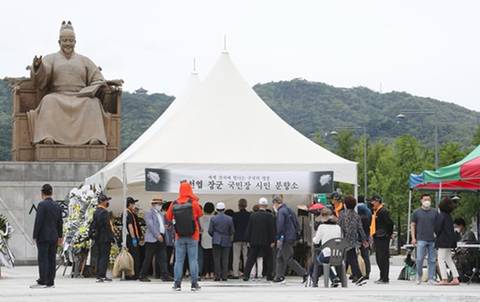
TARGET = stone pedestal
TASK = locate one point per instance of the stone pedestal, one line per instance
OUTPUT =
(20, 184)
(84, 153)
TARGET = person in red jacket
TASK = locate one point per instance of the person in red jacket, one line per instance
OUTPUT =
(184, 214)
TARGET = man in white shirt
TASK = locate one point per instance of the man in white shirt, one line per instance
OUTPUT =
(155, 241)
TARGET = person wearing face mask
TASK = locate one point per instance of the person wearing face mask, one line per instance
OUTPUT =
(103, 236)
(463, 234)
(423, 237)
(155, 244)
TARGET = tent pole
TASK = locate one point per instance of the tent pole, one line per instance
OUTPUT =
(124, 217)
(408, 217)
(439, 194)
(103, 182)
(356, 191)
(311, 219)
(124, 196)
(478, 215)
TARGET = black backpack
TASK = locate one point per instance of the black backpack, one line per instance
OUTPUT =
(296, 225)
(183, 218)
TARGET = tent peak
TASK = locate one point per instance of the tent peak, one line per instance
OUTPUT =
(225, 44)
(234, 129)
(194, 70)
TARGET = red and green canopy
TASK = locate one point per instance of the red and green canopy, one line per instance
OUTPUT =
(468, 169)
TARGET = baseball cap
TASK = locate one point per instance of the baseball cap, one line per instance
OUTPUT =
(376, 197)
(335, 195)
(220, 206)
(131, 200)
(263, 201)
(103, 197)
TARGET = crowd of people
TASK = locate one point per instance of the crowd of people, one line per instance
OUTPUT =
(211, 242)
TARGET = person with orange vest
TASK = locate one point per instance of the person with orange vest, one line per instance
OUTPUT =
(381, 230)
(338, 206)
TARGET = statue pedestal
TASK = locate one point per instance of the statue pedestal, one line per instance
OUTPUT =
(87, 153)
(20, 184)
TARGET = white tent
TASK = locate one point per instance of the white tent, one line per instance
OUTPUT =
(220, 125)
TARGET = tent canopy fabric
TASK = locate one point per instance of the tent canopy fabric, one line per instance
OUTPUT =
(221, 124)
(466, 169)
(415, 180)
(460, 176)
(452, 185)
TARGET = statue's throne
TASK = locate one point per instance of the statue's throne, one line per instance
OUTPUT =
(26, 96)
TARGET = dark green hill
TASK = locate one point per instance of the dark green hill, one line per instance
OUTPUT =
(310, 107)
(5, 121)
(139, 111)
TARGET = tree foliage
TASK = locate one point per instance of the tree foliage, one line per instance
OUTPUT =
(476, 137)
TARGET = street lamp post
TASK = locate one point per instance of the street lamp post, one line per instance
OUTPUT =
(403, 115)
(365, 170)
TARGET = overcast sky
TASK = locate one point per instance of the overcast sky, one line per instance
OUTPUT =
(427, 48)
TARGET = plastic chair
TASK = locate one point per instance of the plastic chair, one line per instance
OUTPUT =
(338, 247)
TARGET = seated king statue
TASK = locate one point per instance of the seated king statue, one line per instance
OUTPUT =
(70, 113)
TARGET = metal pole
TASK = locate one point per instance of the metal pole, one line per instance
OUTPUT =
(365, 165)
(436, 145)
(439, 194)
(124, 218)
(478, 216)
(103, 187)
(365, 168)
(355, 190)
(408, 217)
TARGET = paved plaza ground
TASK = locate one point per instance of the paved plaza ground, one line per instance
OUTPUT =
(14, 288)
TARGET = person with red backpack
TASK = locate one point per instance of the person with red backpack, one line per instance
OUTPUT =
(184, 213)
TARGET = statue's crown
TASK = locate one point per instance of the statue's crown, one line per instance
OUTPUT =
(66, 27)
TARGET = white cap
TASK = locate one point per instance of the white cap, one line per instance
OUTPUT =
(220, 206)
(263, 201)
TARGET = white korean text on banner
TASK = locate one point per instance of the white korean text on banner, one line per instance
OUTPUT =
(240, 182)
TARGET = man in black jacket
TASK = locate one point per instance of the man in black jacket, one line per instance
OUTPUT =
(260, 234)
(47, 234)
(240, 249)
(381, 229)
(134, 236)
(103, 236)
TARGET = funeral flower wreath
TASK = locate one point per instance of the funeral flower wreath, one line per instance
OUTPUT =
(6, 256)
(82, 202)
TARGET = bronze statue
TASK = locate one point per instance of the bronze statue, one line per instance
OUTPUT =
(70, 113)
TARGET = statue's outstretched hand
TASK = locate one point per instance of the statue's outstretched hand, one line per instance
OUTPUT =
(37, 61)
